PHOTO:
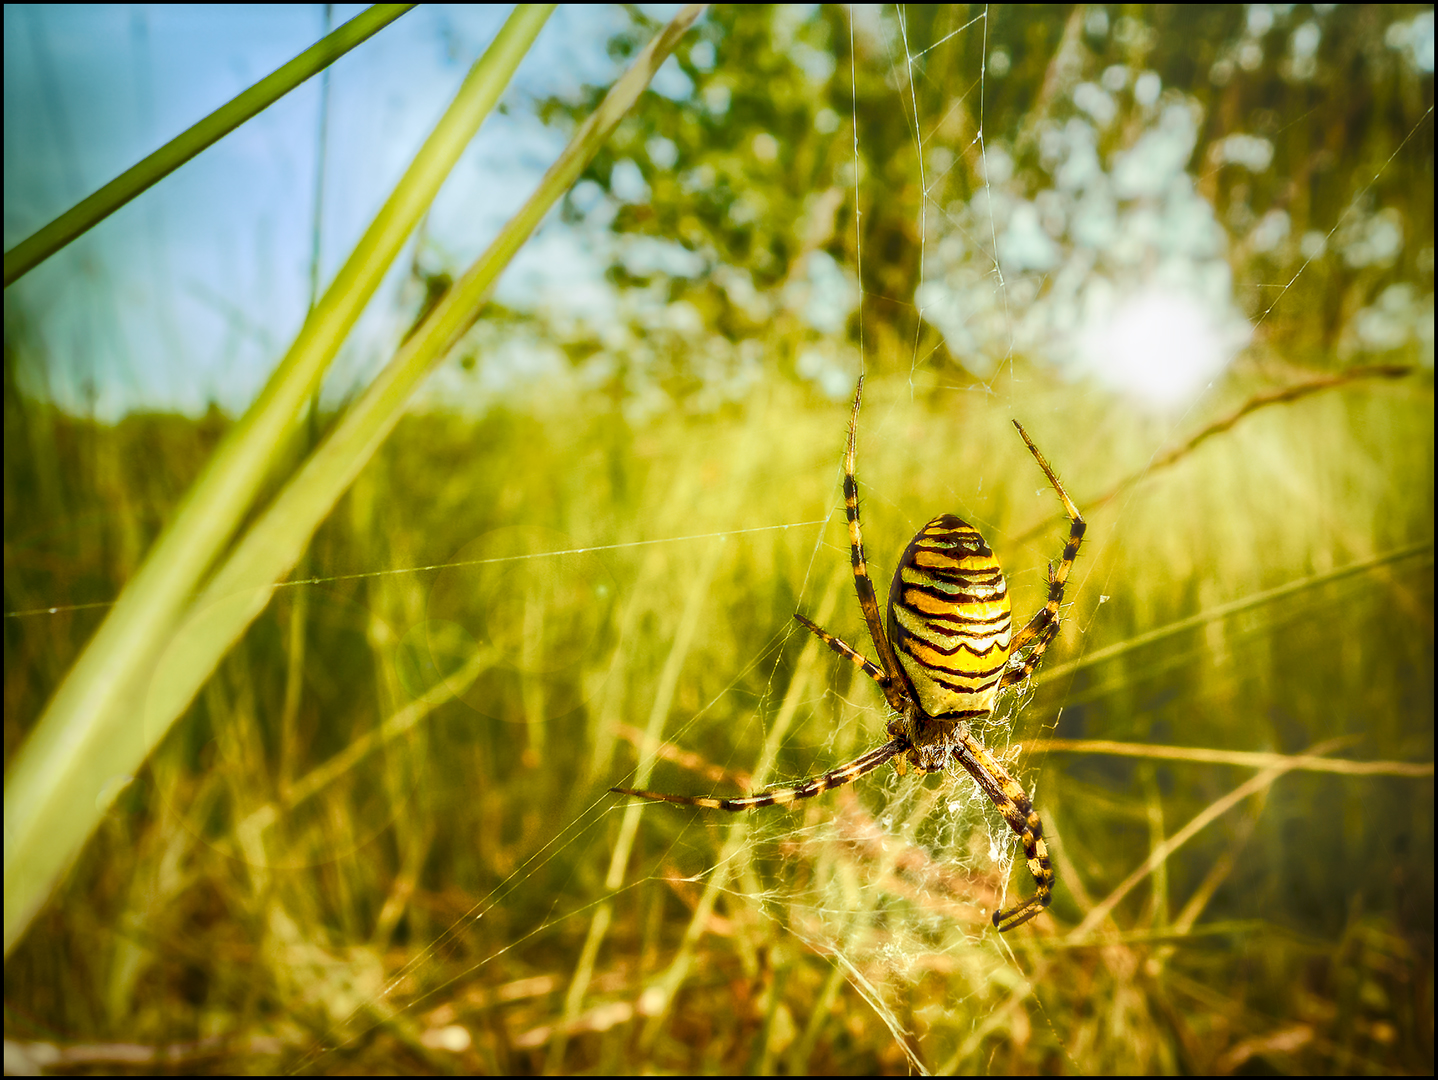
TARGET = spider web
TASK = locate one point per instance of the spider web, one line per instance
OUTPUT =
(892, 883)
(891, 880)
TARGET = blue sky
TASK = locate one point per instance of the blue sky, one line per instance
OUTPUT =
(189, 294)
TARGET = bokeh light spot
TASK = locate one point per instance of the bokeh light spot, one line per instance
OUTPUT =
(1160, 345)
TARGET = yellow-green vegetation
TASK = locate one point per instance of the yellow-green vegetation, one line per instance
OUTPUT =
(372, 829)
(263, 895)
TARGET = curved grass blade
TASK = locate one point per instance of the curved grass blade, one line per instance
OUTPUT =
(134, 181)
(96, 729)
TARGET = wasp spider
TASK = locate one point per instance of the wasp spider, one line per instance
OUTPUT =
(947, 652)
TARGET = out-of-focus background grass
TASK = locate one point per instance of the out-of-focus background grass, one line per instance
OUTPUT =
(382, 840)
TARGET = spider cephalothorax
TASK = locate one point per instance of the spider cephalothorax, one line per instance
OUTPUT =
(948, 649)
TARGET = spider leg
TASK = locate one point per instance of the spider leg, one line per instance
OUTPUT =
(844, 649)
(844, 774)
(1018, 810)
(1016, 675)
(1044, 625)
(863, 584)
(1041, 621)
(1040, 632)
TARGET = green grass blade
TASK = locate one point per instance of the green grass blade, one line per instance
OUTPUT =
(134, 181)
(64, 777)
(243, 586)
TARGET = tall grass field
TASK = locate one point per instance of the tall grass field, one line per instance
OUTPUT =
(380, 837)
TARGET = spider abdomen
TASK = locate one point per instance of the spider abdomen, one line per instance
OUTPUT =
(949, 619)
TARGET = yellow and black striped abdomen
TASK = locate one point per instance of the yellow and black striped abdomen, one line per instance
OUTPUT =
(949, 619)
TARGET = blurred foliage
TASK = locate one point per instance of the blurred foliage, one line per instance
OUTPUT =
(382, 840)
(734, 202)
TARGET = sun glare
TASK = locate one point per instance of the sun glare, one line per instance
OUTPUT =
(1160, 345)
